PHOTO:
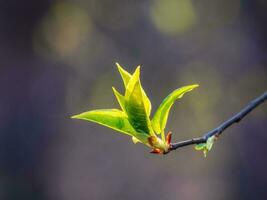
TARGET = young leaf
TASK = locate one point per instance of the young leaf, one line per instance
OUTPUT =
(111, 118)
(210, 142)
(114, 119)
(135, 107)
(120, 98)
(200, 146)
(147, 102)
(206, 147)
(126, 76)
(160, 117)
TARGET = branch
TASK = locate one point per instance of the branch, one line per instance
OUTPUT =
(218, 131)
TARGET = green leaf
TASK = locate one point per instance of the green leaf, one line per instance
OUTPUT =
(146, 101)
(135, 106)
(114, 119)
(120, 98)
(206, 147)
(200, 147)
(111, 118)
(210, 142)
(126, 76)
(161, 116)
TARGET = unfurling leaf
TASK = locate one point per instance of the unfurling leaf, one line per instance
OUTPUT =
(161, 116)
(126, 78)
(120, 98)
(135, 106)
(206, 147)
(124, 75)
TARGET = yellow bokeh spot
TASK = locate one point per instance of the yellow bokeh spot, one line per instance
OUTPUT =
(173, 16)
(62, 30)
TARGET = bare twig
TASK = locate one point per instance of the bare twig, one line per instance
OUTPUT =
(218, 131)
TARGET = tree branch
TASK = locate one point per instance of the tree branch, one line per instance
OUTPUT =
(218, 131)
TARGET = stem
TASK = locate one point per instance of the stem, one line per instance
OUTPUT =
(218, 131)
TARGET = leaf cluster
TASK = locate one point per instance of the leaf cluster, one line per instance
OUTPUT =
(133, 117)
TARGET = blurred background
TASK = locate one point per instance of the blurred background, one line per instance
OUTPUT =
(57, 58)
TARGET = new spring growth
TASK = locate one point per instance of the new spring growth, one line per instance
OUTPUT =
(133, 117)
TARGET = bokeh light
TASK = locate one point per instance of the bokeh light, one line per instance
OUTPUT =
(63, 30)
(173, 16)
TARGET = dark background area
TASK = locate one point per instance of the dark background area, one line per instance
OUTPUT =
(57, 58)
